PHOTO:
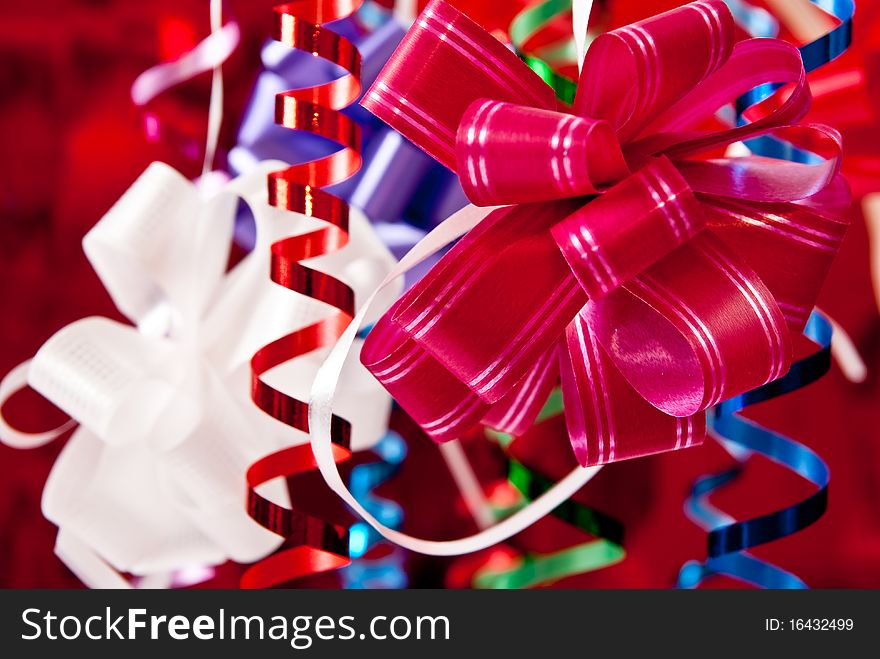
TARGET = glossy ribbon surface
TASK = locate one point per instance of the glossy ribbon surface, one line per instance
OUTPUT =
(631, 262)
(399, 188)
(728, 539)
(312, 544)
(814, 54)
(151, 483)
(529, 568)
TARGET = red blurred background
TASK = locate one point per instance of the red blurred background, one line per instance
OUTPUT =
(72, 142)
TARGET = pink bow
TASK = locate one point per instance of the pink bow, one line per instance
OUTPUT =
(655, 277)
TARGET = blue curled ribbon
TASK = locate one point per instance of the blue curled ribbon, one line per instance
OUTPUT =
(830, 46)
(386, 572)
(728, 539)
(759, 23)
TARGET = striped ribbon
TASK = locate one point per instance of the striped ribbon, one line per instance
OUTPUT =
(728, 539)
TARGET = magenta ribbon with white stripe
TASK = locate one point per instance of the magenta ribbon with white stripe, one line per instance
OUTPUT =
(630, 258)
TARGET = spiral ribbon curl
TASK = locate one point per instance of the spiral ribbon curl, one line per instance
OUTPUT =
(814, 54)
(387, 571)
(151, 482)
(729, 539)
(312, 544)
(398, 182)
(639, 271)
(726, 555)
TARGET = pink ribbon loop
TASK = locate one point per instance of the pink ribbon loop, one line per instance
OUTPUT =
(412, 106)
(442, 405)
(606, 418)
(507, 268)
(533, 154)
(752, 63)
(760, 233)
(764, 179)
(694, 329)
(654, 283)
(654, 63)
(632, 226)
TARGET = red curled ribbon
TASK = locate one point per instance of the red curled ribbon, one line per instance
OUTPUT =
(654, 276)
(312, 545)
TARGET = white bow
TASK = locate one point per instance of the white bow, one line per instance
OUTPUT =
(153, 481)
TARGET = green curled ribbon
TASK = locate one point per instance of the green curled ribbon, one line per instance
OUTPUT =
(542, 569)
(529, 22)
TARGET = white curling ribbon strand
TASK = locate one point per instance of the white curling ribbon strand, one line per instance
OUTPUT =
(215, 107)
(468, 484)
(322, 406)
(15, 381)
(152, 481)
(845, 353)
(580, 19)
(206, 56)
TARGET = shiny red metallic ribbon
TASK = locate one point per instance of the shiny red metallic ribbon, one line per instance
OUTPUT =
(653, 275)
(312, 545)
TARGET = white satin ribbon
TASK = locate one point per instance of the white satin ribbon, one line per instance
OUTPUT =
(215, 107)
(16, 380)
(153, 480)
(323, 403)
